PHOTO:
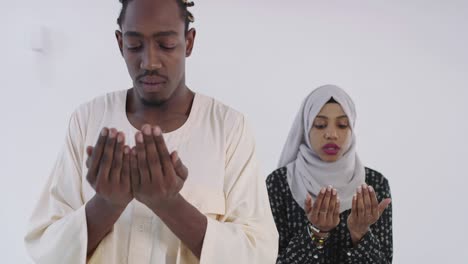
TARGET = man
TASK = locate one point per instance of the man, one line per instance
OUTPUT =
(173, 176)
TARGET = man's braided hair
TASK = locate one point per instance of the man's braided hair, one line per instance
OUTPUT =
(183, 4)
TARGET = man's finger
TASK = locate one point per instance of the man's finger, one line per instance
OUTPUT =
(167, 167)
(96, 156)
(107, 156)
(89, 152)
(152, 156)
(145, 177)
(180, 169)
(117, 161)
(134, 172)
(125, 173)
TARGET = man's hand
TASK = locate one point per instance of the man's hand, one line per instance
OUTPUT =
(157, 176)
(109, 169)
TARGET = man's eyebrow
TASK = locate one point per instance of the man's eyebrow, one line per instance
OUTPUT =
(168, 33)
(133, 34)
(155, 35)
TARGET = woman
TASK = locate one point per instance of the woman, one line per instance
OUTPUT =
(324, 201)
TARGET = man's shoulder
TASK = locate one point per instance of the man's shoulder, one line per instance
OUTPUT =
(217, 105)
(219, 109)
(101, 103)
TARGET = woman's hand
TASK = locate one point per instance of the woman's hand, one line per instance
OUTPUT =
(324, 213)
(365, 212)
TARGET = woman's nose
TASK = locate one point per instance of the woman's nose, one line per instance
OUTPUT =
(331, 134)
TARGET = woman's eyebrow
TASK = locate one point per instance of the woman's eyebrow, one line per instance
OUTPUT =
(326, 117)
(320, 116)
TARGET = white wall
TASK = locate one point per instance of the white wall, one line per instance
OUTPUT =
(404, 62)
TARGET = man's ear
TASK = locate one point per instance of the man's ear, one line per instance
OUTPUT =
(190, 41)
(118, 36)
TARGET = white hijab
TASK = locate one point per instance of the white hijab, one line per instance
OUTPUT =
(306, 172)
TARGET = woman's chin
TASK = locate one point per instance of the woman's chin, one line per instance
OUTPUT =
(329, 158)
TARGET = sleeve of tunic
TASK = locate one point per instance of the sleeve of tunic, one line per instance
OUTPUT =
(246, 232)
(57, 230)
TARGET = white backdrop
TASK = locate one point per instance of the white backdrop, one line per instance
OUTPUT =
(405, 63)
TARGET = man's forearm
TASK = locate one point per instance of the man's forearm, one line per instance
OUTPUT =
(186, 222)
(100, 219)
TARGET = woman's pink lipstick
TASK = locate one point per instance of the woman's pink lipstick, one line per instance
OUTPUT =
(331, 149)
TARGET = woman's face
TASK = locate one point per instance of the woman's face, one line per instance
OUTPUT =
(330, 134)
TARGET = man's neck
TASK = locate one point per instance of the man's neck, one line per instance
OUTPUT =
(169, 115)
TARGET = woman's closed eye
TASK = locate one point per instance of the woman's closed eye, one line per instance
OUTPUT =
(343, 124)
(320, 125)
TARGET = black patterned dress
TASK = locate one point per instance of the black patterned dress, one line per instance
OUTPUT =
(295, 244)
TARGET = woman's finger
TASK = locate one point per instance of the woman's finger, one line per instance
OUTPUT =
(318, 203)
(331, 207)
(336, 215)
(374, 203)
(308, 204)
(360, 203)
(383, 205)
(325, 204)
(367, 201)
(354, 210)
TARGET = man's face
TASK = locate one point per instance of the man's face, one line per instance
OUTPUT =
(154, 45)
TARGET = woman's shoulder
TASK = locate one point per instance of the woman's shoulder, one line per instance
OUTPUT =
(377, 181)
(278, 189)
(374, 176)
(277, 177)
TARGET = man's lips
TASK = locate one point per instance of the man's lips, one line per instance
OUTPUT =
(152, 83)
(154, 80)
